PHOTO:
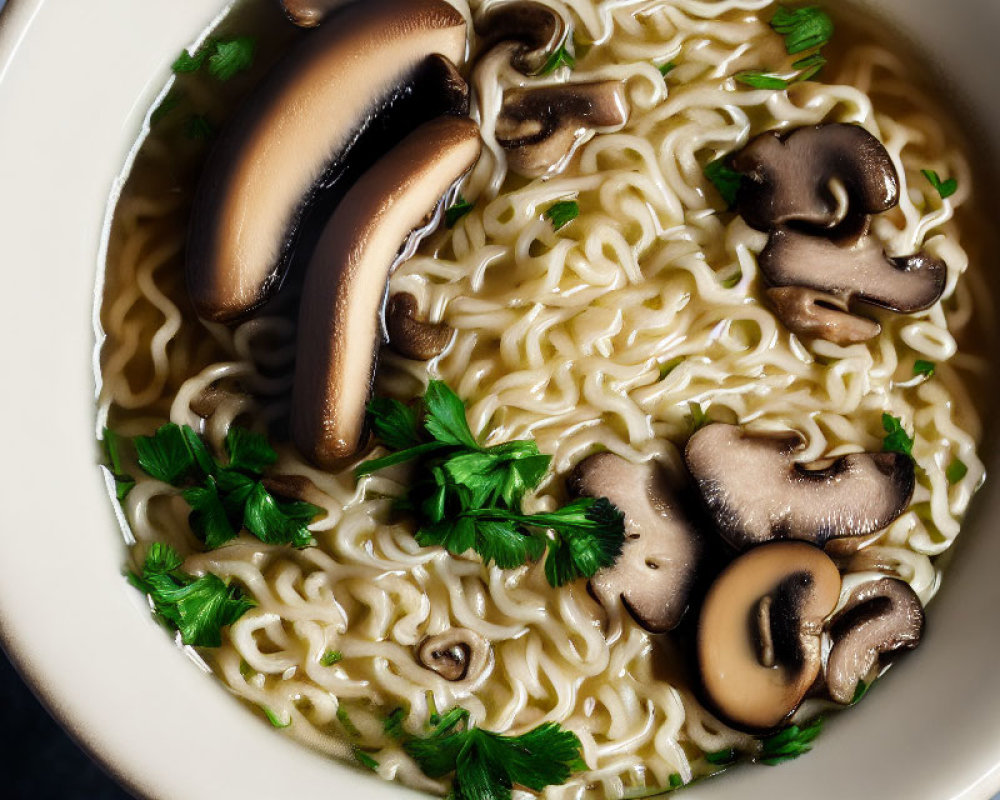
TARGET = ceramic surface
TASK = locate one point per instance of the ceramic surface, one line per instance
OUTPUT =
(76, 79)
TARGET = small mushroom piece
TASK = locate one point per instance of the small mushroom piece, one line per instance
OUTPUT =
(541, 127)
(319, 118)
(807, 312)
(759, 633)
(309, 13)
(788, 176)
(654, 574)
(854, 267)
(756, 492)
(412, 337)
(532, 30)
(879, 618)
(376, 225)
(458, 654)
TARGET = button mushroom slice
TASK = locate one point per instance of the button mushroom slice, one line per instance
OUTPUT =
(533, 31)
(654, 574)
(541, 127)
(756, 492)
(879, 618)
(310, 13)
(319, 115)
(807, 312)
(854, 267)
(412, 337)
(458, 654)
(788, 176)
(373, 228)
(759, 632)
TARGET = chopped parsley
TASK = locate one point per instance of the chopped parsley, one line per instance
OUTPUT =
(956, 470)
(803, 28)
(725, 179)
(124, 483)
(721, 757)
(393, 725)
(274, 719)
(789, 743)
(669, 366)
(666, 69)
(675, 781)
(468, 497)
(922, 367)
(225, 498)
(860, 691)
(489, 765)
(944, 188)
(168, 104)
(457, 210)
(365, 760)
(896, 439)
(560, 57)
(562, 213)
(758, 79)
(699, 419)
(197, 607)
(345, 720)
(331, 657)
(225, 58)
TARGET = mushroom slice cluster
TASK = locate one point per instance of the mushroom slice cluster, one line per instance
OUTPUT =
(531, 31)
(756, 492)
(458, 654)
(653, 576)
(411, 336)
(759, 632)
(879, 618)
(542, 127)
(320, 114)
(339, 319)
(814, 191)
(309, 13)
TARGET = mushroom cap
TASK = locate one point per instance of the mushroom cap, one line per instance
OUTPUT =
(879, 617)
(808, 312)
(298, 134)
(756, 492)
(656, 569)
(853, 267)
(541, 127)
(309, 13)
(339, 319)
(458, 654)
(788, 176)
(534, 30)
(410, 336)
(759, 633)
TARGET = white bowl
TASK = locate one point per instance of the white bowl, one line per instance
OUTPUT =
(76, 79)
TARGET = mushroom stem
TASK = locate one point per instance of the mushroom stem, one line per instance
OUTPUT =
(807, 312)
(533, 30)
(412, 337)
(764, 631)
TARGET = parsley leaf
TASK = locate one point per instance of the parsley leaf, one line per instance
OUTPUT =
(561, 57)
(759, 79)
(675, 781)
(669, 366)
(489, 765)
(231, 57)
(808, 67)
(331, 657)
(803, 28)
(860, 691)
(165, 455)
(944, 188)
(789, 743)
(562, 213)
(956, 470)
(249, 452)
(365, 760)
(209, 519)
(198, 607)
(721, 757)
(896, 439)
(922, 367)
(168, 104)
(457, 210)
(446, 420)
(725, 179)
(124, 483)
(666, 69)
(192, 62)
(393, 725)
(274, 719)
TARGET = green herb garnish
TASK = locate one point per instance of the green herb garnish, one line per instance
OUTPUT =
(562, 213)
(675, 781)
(669, 366)
(944, 188)
(197, 607)
(393, 725)
(759, 79)
(860, 691)
(802, 28)
(699, 419)
(457, 210)
(274, 719)
(721, 757)
(725, 179)
(896, 439)
(345, 720)
(225, 58)
(666, 69)
(789, 743)
(468, 497)
(489, 765)
(331, 657)
(560, 57)
(922, 367)
(956, 470)
(365, 760)
(124, 483)
(168, 104)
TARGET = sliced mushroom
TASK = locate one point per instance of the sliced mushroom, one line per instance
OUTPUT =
(759, 633)
(541, 127)
(532, 31)
(880, 618)
(458, 654)
(807, 312)
(789, 176)
(379, 222)
(310, 13)
(318, 119)
(412, 337)
(756, 492)
(654, 574)
(854, 267)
